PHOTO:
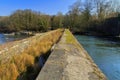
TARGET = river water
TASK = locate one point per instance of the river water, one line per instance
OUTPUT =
(8, 38)
(4, 39)
(105, 52)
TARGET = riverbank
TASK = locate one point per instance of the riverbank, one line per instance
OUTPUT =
(104, 37)
(28, 33)
(97, 34)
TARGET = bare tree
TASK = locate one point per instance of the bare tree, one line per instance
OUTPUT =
(104, 8)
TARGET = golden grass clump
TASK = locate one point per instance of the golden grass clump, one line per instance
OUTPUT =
(46, 45)
(33, 50)
(39, 48)
(22, 61)
(8, 72)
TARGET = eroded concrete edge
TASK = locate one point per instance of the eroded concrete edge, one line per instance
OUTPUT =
(70, 62)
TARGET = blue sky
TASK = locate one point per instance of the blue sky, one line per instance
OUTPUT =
(46, 6)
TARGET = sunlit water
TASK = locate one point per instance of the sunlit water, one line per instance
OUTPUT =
(105, 53)
(4, 39)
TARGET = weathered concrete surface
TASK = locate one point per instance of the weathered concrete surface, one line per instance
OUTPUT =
(69, 61)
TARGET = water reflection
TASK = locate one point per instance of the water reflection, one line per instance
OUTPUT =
(105, 53)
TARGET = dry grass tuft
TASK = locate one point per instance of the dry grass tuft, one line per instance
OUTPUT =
(8, 72)
(22, 61)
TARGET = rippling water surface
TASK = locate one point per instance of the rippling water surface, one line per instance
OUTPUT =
(3, 39)
(105, 52)
(8, 38)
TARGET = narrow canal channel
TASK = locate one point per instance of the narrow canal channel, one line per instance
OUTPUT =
(105, 52)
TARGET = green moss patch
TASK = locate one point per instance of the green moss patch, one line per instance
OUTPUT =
(69, 37)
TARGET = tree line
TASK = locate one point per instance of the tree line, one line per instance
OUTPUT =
(98, 17)
(25, 20)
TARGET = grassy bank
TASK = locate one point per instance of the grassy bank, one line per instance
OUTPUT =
(24, 66)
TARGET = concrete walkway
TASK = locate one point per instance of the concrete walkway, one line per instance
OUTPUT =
(69, 61)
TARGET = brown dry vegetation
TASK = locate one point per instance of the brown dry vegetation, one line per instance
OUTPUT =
(22, 61)
(19, 63)
(8, 72)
